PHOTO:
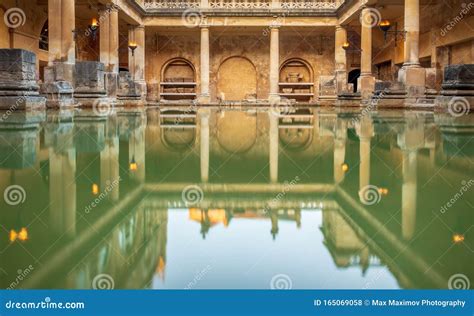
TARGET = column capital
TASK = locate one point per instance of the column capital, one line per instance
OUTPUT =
(340, 27)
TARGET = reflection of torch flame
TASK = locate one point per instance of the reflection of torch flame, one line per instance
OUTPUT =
(458, 238)
(22, 235)
(95, 189)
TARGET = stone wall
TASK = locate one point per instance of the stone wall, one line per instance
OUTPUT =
(244, 49)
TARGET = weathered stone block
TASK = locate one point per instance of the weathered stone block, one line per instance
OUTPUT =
(459, 77)
(18, 86)
(90, 77)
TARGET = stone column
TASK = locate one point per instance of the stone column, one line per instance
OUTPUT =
(109, 48)
(366, 80)
(412, 75)
(340, 60)
(140, 59)
(59, 75)
(273, 149)
(204, 96)
(204, 154)
(274, 63)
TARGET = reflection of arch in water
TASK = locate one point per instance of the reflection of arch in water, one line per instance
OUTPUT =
(236, 79)
(178, 139)
(295, 139)
(236, 131)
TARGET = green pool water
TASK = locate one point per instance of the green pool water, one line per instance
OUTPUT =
(236, 198)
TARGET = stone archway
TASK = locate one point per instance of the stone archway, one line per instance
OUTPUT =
(236, 79)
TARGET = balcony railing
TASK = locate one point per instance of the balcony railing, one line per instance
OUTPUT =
(230, 6)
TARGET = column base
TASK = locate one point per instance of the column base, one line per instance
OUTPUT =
(366, 85)
(21, 102)
(58, 94)
(111, 84)
(414, 79)
(204, 99)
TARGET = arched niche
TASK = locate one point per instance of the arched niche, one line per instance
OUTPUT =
(236, 131)
(296, 80)
(237, 79)
(178, 80)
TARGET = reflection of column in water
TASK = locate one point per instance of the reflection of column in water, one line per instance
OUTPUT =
(136, 152)
(274, 220)
(204, 155)
(365, 132)
(409, 193)
(273, 146)
(109, 169)
(62, 191)
(339, 151)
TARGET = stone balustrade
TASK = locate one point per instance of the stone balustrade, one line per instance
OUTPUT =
(227, 6)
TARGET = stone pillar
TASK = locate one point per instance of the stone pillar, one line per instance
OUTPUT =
(140, 60)
(204, 4)
(366, 80)
(59, 75)
(273, 150)
(18, 86)
(109, 48)
(412, 75)
(204, 154)
(274, 63)
(340, 60)
(204, 96)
